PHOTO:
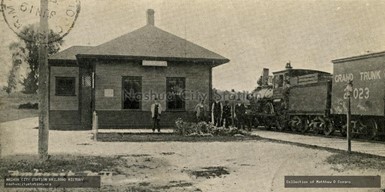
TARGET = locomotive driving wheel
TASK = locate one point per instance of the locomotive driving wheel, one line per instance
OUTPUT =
(354, 129)
(328, 127)
(371, 128)
(305, 125)
(268, 108)
(317, 124)
(293, 122)
(298, 124)
(280, 123)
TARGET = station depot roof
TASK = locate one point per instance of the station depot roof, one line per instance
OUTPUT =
(70, 53)
(152, 42)
(147, 43)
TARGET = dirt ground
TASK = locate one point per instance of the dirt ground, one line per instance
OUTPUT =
(251, 165)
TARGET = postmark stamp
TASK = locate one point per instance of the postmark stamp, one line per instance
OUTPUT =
(61, 14)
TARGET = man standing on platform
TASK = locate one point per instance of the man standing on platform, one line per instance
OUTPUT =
(239, 113)
(200, 111)
(156, 110)
(216, 112)
(226, 114)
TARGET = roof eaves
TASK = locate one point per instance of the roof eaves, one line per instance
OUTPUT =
(62, 62)
(92, 56)
(312, 70)
(69, 53)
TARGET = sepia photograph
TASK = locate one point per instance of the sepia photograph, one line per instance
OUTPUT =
(204, 95)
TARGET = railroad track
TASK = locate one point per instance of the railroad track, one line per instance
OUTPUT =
(335, 134)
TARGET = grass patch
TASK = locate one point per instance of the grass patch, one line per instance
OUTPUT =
(182, 186)
(343, 161)
(9, 105)
(210, 172)
(167, 153)
(144, 183)
(59, 164)
(127, 188)
(175, 184)
(169, 137)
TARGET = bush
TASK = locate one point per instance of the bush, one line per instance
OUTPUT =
(231, 131)
(204, 129)
(29, 106)
(184, 128)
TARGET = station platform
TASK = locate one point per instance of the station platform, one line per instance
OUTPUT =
(149, 130)
(339, 143)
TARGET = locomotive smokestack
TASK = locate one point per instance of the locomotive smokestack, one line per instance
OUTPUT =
(265, 76)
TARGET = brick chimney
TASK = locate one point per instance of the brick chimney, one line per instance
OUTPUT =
(150, 17)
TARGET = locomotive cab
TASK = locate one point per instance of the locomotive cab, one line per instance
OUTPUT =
(290, 77)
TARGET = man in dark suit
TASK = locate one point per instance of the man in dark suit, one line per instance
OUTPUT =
(156, 110)
(226, 114)
(216, 112)
(239, 114)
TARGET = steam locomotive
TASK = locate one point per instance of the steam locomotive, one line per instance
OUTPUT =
(303, 100)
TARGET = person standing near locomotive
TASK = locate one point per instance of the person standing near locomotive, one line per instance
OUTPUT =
(226, 114)
(239, 114)
(200, 111)
(216, 112)
(156, 110)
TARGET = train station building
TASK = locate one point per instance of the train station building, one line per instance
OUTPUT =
(121, 78)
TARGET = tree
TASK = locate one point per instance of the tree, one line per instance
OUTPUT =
(18, 54)
(27, 50)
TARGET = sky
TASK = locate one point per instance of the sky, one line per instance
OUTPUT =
(253, 34)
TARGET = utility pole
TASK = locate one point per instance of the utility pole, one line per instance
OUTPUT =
(349, 91)
(349, 131)
(232, 98)
(43, 82)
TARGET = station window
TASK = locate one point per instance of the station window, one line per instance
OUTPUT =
(175, 93)
(132, 92)
(65, 86)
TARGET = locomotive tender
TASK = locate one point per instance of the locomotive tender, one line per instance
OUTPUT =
(315, 101)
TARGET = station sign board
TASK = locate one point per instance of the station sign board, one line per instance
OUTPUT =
(154, 63)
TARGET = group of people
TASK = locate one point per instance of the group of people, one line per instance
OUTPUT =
(223, 114)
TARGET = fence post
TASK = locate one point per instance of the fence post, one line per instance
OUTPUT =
(95, 125)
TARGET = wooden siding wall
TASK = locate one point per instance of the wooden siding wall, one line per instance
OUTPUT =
(65, 120)
(109, 76)
(64, 102)
(64, 111)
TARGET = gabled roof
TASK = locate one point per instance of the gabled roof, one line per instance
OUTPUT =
(150, 42)
(69, 54)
